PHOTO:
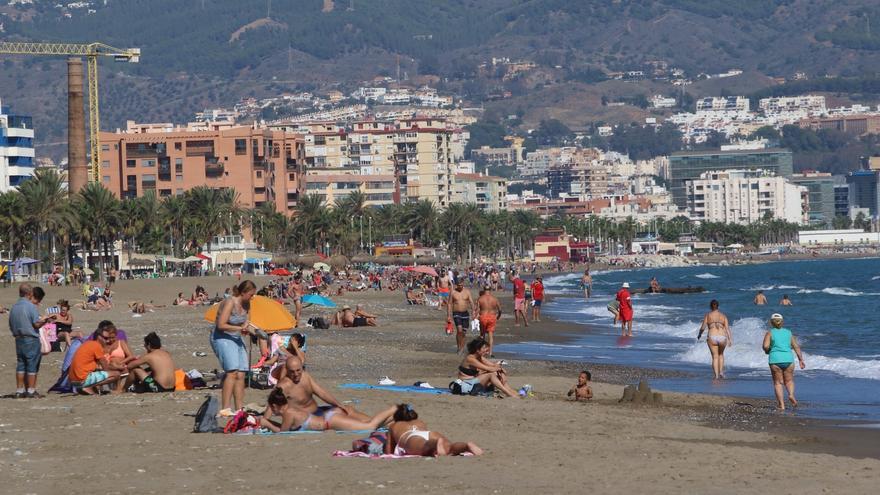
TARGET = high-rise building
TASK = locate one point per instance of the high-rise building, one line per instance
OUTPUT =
(261, 165)
(16, 149)
(424, 160)
(841, 200)
(745, 196)
(821, 190)
(688, 165)
(864, 191)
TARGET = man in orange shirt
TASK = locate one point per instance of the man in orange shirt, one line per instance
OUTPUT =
(90, 367)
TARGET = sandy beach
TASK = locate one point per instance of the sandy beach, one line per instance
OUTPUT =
(143, 443)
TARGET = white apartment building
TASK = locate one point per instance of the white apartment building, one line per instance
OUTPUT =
(487, 192)
(745, 196)
(723, 103)
(811, 104)
(16, 149)
(660, 101)
(370, 94)
(396, 97)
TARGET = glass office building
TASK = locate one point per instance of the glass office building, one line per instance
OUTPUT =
(16, 149)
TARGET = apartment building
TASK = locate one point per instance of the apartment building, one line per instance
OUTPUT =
(723, 103)
(424, 160)
(745, 196)
(378, 190)
(371, 147)
(859, 124)
(16, 149)
(786, 104)
(489, 193)
(263, 166)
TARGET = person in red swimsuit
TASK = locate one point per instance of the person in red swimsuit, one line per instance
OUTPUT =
(626, 310)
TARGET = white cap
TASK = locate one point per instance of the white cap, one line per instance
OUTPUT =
(776, 316)
(625, 285)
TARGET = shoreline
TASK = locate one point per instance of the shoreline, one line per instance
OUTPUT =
(542, 442)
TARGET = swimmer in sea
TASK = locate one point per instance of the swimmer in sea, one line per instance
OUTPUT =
(718, 336)
(760, 298)
(786, 301)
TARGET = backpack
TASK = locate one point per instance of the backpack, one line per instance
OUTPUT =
(319, 322)
(206, 416)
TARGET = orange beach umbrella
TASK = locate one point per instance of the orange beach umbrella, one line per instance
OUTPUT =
(266, 314)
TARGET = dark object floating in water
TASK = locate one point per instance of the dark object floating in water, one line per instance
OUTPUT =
(671, 290)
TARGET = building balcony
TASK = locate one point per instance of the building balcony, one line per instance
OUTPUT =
(213, 170)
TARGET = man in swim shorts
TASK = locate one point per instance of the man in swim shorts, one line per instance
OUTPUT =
(490, 312)
(301, 389)
(459, 310)
(443, 289)
(519, 299)
(160, 378)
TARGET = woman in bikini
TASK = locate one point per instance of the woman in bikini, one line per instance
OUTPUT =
(296, 419)
(476, 368)
(718, 337)
(407, 435)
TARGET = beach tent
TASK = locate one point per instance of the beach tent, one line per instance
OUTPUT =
(318, 300)
(266, 314)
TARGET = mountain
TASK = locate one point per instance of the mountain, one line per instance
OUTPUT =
(198, 53)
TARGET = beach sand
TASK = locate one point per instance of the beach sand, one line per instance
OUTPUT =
(143, 443)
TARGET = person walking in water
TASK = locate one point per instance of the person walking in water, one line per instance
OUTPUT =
(778, 344)
(760, 298)
(587, 284)
(624, 299)
(718, 336)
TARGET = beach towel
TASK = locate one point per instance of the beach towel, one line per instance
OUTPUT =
(306, 432)
(62, 386)
(396, 388)
(348, 453)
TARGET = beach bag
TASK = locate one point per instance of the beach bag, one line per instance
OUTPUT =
(475, 325)
(319, 322)
(449, 328)
(206, 416)
(47, 336)
(242, 422)
(181, 381)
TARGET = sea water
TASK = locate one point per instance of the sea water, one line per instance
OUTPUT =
(835, 316)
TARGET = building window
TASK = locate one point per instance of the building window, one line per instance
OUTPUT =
(131, 183)
(178, 177)
(178, 165)
(105, 163)
(130, 163)
(105, 147)
(148, 181)
(106, 179)
(178, 192)
(164, 192)
(259, 190)
(320, 140)
(241, 146)
(178, 146)
(148, 163)
(259, 174)
(291, 177)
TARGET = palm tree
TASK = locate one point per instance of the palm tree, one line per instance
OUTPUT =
(212, 212)
(313, 221)
(46, 208)
(174, 212)
(99, 219)
(12, 222)
(421, 219)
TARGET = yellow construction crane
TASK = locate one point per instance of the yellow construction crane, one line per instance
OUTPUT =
(91, 51)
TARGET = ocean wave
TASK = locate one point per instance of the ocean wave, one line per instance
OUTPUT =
(875, 277)
(771, 287)
(748, 335)
(838, 291)
(706, 275)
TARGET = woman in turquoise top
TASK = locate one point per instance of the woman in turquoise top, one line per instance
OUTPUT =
(778, 344)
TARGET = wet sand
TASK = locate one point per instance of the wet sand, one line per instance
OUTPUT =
(142, 443)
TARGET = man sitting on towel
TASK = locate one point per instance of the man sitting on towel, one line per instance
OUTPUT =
(301, 389)
(160, 377)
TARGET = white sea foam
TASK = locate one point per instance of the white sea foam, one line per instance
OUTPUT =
(875, 277)
(748, 334)
(706, 275)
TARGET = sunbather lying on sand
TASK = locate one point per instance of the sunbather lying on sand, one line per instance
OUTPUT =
(295, 419)
(410, 436)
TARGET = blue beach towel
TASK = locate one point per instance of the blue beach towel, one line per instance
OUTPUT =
(396, 388)
(63, 385)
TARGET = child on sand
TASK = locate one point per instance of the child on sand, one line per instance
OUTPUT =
(582, 390)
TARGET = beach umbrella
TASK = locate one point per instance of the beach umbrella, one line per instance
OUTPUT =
(337, 261)
(88, 271)
(281, 272)
(318, 300)
(321, 266)
(386, 259)
(266, 314)
(421, 269)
